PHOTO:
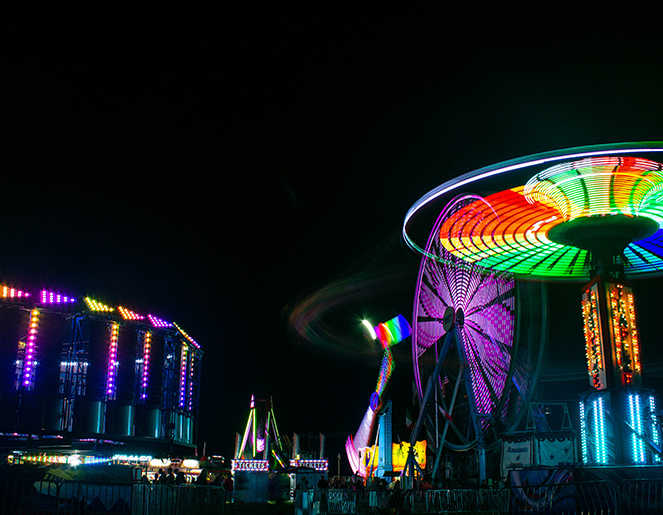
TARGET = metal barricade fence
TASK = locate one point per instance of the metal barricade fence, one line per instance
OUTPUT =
(460, 500)
(23, 496)
(596, 497)
(583, 497)
(26, 497)
(641, 496)
(340, 502)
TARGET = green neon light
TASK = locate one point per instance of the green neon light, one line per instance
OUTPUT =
(510, 230)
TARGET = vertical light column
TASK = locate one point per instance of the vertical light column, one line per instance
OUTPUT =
(184, 374)
(593, 338)
(26, 362)
(654, 428)
(635, 413)
(583, 434)
(190, 389)
(145, 365)
(599, 432)
(624, 333)
(111, 376)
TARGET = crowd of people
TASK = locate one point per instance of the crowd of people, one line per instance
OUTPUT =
(178, 477)
(357, 483)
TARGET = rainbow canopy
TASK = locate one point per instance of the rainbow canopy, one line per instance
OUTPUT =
(549, 226)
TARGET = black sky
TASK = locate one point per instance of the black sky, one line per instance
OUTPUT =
(213, 169)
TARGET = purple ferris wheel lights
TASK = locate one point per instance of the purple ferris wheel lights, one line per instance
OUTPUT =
(482, 304)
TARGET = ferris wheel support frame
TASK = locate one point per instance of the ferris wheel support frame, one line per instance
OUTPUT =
(451, 338)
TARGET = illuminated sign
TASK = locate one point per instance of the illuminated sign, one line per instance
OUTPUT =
(250, 465)
(321, 465)
(369, 457)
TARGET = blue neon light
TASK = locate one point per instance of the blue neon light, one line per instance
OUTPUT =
(583, 434)
(654, 427)
(599, 431)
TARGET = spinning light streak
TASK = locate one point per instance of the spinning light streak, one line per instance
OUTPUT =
(386, 369)
(389, 334)
(548, 227)
(360, 440)
(518, 165)
(598, 186)
(393, 331)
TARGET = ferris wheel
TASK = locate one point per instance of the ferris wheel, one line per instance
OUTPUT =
(482, 386)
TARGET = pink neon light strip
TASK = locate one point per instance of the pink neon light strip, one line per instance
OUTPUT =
(111, 376)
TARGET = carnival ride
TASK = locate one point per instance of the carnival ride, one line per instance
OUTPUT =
(261, 450)
(80, 372)
(261, 446)
(366, 459)
(597, 215)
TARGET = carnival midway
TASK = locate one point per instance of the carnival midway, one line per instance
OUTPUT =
(484, 439)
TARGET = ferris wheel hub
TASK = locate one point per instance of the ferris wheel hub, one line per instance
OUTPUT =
(460, 317)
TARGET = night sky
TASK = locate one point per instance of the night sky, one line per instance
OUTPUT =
(219, 172)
